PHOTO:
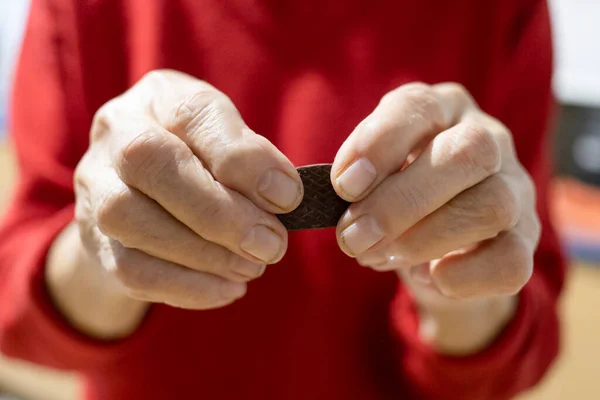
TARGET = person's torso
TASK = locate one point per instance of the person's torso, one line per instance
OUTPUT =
(303, 74)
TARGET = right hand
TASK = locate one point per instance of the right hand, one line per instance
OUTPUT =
(175, 195)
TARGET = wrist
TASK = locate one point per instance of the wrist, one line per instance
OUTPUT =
(86, 296)
(466, 327)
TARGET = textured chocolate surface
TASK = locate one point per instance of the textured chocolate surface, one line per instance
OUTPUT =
(321, 207)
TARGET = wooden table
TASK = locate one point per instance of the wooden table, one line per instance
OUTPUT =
(574, 376)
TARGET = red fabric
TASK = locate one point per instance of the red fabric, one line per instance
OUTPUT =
(302, 73)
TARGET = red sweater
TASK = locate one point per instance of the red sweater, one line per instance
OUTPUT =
(303, 73)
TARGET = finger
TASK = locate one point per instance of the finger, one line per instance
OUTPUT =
(209, 123)
(500, 266)
(477, 214)
(162, 167)
(127, 215)
(406, 118)
(154, 280)
(454, 161)
(376, 260)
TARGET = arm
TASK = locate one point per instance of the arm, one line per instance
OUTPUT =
(475, 316)
(81, 262)
(49, 125)
(516, 354)
(86, 295)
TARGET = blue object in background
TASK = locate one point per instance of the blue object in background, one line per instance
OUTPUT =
(13, 14)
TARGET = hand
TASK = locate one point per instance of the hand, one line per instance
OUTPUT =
(176, 195)
(439, 196)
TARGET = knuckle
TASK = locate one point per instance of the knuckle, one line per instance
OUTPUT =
(103, 111)
(81, 174)
(403, 92)
(518, 265)
(151, 154)
(476, 150)
(139, 279)
(375, 129)
(101, 121)
(127, 271)
(457, 93)
(486, 146)
(206, 297)
(421, 101)
(212, 295)
(417, 86)
(187, 298)
(230, 262)
(200, 111)
(503, 207)
(501, 216)
(209, 213)
(461, 211)
(419, 94)
(240, 156)
(154, 76)
(411, 199)
(139, 152)
(111, 213)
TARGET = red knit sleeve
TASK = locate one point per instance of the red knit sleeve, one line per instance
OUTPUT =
(49, 127)
(519, 358)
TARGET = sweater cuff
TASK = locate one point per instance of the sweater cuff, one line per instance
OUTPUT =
(430, 374)
(33, 329)
(405, 321)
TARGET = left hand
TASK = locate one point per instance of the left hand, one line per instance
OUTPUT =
(439, 195)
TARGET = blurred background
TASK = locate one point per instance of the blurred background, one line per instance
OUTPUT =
(575, 204)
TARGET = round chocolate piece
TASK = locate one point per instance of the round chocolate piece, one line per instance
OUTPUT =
(321, 207)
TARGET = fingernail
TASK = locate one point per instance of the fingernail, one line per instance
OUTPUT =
(357, 178)
(421, 274)
(278, 188)
(262, 243)
(249, 269)
(361, 235)
(233, 290)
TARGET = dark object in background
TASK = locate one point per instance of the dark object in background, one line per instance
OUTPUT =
(321, 207)
(576, 190)
(577, 149)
